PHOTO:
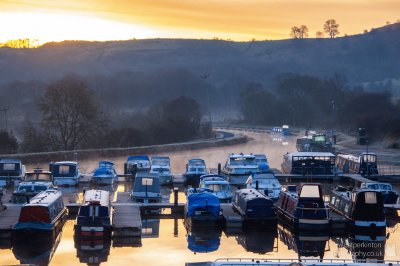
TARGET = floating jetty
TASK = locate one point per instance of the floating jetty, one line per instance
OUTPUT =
(8, 218)
(126, 221)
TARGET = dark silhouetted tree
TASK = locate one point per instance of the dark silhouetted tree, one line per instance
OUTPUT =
(303, 31)
(69, 113)
(8, 142)
(331, 27)
(295, 32)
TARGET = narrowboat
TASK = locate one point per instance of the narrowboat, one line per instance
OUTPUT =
(34, 182)
(12, 171)
(253, 206)
(95, 215)
(363, 208)
(194, 169)
(146, 189)
(218, 185)
(161, 166)
(136, 164)
(286, 130)
(202, 209)
(105, 174)
(238, 167)
(45, 214)
(303, 209)
(65, 173)
(266, 182)
(308, 163)
(314, 142)
(389, 195)
(365, 164)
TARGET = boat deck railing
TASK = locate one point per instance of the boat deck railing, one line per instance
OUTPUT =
(252, 261)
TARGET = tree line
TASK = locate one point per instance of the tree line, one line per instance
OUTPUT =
(331, 28)
(307, 101)
(72, 118)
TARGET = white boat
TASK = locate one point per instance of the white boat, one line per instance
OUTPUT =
(218, 186)
(11, 171)
(238, 167)
(194, 169)
(136, 164)
(105, 174)
(65, 173)
(34, 182)
(265, 182)
(161, 166)
(288, 262)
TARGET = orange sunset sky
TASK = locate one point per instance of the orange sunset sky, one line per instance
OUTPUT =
(240, 20)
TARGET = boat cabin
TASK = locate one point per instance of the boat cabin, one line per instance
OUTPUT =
(146, 189)
(65, 173)
(239, 166)
(363, 207)
(45, 212)
(137, 163)
(94, 216)
(11, 170)
(162, 167)
(261, 159)
(251, 204)
(365, 164)
(309, 163)
(303, 208)
(389, 195)
(218, 185)
(266, 183)
(194, 169)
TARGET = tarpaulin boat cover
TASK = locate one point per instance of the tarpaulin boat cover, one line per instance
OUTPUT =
(203, 202)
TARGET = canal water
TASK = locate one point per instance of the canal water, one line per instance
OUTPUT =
(167, 242)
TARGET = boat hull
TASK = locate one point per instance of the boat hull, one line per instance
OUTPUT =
(95, 231)
(302, 224)
(237, 179)
(104, 180)
(192, 179)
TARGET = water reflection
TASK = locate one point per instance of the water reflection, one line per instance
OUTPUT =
(258, 240)
(92, 251)
(370, 248)
(304, 243)
(37, 251)
(203, 240)
(150, 228)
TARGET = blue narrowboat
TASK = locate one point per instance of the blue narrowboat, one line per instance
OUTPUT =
(95, 214)
(11, 171)
(304, 209)
(253, 206)
(45, 214)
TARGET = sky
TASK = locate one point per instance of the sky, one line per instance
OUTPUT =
(239, 20)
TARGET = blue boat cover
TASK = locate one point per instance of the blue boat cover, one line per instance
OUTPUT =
(106, 164)
(196, 244)
(102, 171)
(138, 157)
(204, 201)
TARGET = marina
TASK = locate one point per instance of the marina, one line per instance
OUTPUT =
(144, 226)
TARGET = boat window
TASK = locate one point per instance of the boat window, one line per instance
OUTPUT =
(369, 158)
(333, 200)
(242, 161)
(63, 169)
(9, 166)
(373, 186)
(39, 188)
(96, 211)
(91, 211)
(310, 192)
(370, 198)
(27, 188)
(147, 181)
(218, 187)
(385, 186)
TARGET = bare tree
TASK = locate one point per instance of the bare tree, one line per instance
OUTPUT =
(319, 34)
(69, 113)
(295, 32)
(331, 28)
(303, 30)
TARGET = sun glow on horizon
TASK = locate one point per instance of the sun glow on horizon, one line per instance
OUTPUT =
(59, 27)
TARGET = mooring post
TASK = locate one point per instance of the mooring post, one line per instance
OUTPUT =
(256, 184)
(176, 227)
(219, 168)
(175, 208)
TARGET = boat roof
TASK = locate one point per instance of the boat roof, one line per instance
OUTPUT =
(250, 193)
(312, 154)
(106, 163)
(38, 171)
(103, 170)
(164, 158)
(65, 163)
(241, 155)
(213, 178)
(196, 161)
(265, 175)
(45, 198)
(258, 156)
(6, 160)
(138, 157)
(97, 196)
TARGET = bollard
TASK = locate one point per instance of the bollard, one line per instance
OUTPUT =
(257, 185)
(175, 207)
(219, 168)
(175, 227)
